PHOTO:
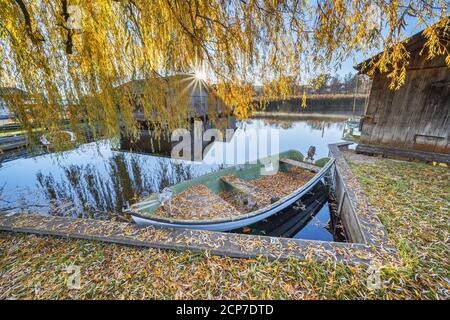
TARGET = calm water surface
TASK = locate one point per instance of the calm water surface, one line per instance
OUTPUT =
(97, 180)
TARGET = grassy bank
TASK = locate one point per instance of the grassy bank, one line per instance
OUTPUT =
(411, 199)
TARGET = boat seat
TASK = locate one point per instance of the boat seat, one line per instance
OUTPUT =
(303, 165)
(249, 194)
(198, 203)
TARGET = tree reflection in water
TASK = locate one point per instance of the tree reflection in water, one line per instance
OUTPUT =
(96, 181)
(311, 122)
(86, 192)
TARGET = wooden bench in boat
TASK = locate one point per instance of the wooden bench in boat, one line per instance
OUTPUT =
(198, 203)
(302, 165)
(251, 195)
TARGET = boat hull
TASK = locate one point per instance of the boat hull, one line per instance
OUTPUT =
(241, 221)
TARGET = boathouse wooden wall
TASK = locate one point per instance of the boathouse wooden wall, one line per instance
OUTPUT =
(417, 116)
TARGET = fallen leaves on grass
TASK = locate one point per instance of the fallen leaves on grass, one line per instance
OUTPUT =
(411, 199)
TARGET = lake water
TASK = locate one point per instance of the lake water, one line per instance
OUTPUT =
(97, 180)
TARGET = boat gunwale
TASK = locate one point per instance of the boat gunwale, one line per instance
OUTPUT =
(303, 189)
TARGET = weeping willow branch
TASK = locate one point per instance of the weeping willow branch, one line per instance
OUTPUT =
(91, 76)
(35, 37)
(69, 41)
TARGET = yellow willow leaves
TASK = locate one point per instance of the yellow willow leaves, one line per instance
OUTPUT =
(400, 57)
(304, 99)
(76, 71)
(434, 45)
(240, 96)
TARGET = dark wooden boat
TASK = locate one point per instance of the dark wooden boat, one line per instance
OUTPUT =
(233, 197)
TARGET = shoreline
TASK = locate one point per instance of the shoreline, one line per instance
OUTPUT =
(290, 115)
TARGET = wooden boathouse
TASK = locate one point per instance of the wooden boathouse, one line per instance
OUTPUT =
(200, 107)
(414, 121)
(196, 89)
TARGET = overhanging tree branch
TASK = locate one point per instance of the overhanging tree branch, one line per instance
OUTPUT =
(69, 40)
(34, 36)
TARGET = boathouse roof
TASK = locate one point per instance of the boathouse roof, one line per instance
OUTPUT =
(412, 44)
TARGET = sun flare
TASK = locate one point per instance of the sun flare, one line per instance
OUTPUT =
(200, 73)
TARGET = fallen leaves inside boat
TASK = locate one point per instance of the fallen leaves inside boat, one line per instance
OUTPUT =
(197, 203)
(201, 203)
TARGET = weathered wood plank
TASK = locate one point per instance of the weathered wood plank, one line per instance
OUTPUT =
(12, 142)
(251, 196)
(408, 154)
(218, 243)
(302, 165)
(197, 202)
(357, 215)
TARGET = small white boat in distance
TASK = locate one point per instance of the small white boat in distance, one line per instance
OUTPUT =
(64, 137)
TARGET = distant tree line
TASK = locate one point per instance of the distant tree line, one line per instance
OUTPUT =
(349, 84)
(335, 84)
